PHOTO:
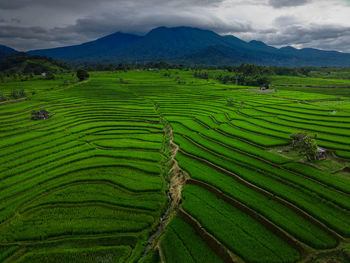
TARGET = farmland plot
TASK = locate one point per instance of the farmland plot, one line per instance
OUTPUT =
(85, 184)
(90, 182)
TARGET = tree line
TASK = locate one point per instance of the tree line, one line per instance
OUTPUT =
(252, 78)
(245, 69)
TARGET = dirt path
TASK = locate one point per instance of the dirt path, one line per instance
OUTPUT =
(176, 180)
(178, 177)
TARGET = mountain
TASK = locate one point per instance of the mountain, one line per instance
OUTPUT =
(6, 51)
(97, 50)
(191, 46)
(173, 43)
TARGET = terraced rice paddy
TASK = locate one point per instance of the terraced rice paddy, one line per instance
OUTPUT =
(90, 183)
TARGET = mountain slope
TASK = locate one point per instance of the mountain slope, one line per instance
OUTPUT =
(6, 51)
(24, 63)
(191, 46)
(91, 51)
(170, 43)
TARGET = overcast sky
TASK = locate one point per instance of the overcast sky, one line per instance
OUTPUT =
(34, 24)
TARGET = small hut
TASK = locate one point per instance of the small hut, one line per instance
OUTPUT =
(321, 153)
(40, 115)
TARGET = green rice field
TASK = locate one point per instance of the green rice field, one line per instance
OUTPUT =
(152, 169)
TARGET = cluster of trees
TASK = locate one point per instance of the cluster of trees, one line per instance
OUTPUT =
(134, 66)
(27, 64)
(246, 78)
(82, 74)
(306, 145)
(24, 67)
(167, 74)
(36, 64)
(201, 74)
(142, 66)
(19, 76)
(50, 76)
(18, 93)
(245, 69)
(251, 69)
(2, 97)
(15, 94)
(178, 79)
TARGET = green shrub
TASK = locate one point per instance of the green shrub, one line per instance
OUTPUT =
(82, 74)
(18, 93)
(2, 97)
(50, 76)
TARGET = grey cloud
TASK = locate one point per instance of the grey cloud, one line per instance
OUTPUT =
(287, 3)
(340, 44)
(22, 32)
(125, 19)
(23, 37)
(84, 20)
(20, 4)
(143, 23)
(108, 16)
(90, 28)
(300, 35)
(16, 20)
(283, 21)
(293, 30)
(84, 4)
(323, 36)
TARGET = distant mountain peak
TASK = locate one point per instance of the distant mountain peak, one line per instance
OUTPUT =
(288, 48)
(179, 30)
(192, 46)
(117, 36)
(257, 43)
